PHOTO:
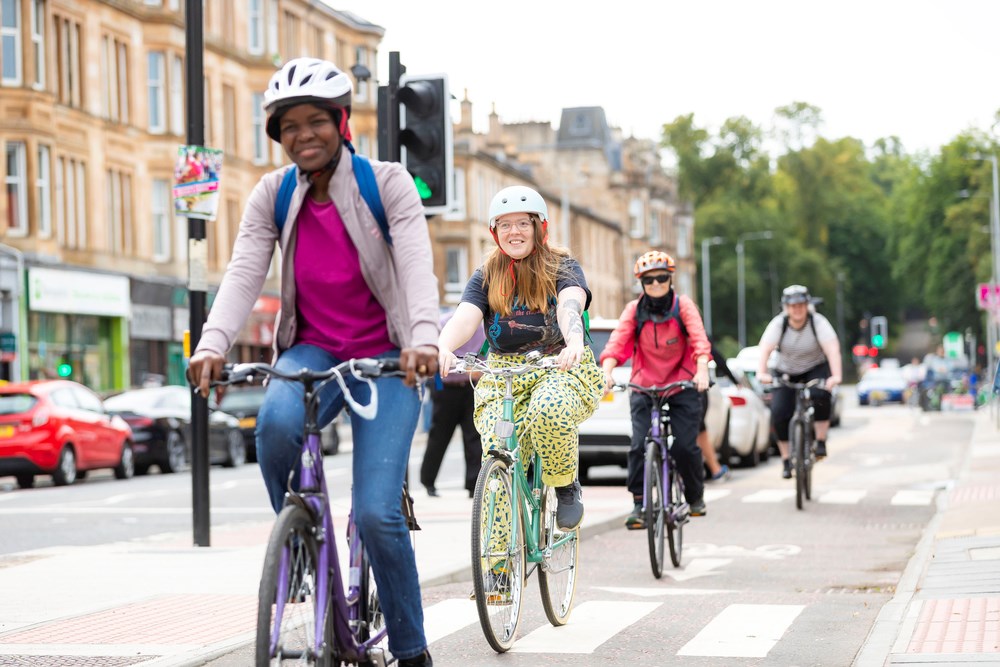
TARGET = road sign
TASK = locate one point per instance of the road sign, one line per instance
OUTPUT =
(988, 296)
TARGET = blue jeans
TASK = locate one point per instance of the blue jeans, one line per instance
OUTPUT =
(381, 454)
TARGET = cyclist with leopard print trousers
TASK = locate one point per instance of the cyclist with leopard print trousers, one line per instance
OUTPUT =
(529, 296)
(664, 333)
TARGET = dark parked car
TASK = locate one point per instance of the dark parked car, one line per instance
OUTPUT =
(160, 418)
(59, 428)
(244, 404)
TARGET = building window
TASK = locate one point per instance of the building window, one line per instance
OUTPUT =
(177, 95)
(114, 73)
(162, 214)
(361, 57)
(683, 239)
(17, 190)
(255, 27)
(68, 69)
(44, 189)
(10, 41)
(636, 214)
(291, 45)
(157, 103)
(71, 210)
(456, 272)
(259, 130)
(228, 25)
(119, 201)
(38, 41)
(229, 113)
(655, 224)
(318, 49)
(272, 27)
(207, 101)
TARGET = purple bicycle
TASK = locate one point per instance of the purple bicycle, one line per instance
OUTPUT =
(666, 510)
(306, 614)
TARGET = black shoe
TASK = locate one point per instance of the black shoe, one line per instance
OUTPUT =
(569, 512)
(698, 507)
(432, 492)
(422, 660)
(786, 470)
(821, 449)
(637, 519)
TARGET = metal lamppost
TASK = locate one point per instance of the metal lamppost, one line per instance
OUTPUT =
(991, 325)
(740, 270)
(706, 285)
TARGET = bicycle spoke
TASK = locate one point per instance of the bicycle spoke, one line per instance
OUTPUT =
(557, 576)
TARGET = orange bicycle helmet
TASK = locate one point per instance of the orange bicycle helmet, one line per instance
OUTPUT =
(654, 259)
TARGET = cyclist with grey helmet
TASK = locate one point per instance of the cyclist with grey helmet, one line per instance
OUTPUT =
(808, 348)
(346, 292)
(530, 296)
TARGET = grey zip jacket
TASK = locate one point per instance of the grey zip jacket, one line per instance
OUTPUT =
(400, 276)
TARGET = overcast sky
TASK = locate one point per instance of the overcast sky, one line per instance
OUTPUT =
(923, 70)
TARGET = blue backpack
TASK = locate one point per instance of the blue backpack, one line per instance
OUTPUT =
(365, 178)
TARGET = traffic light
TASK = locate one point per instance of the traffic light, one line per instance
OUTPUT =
(64, 370)
(880, 332)
(425, 137)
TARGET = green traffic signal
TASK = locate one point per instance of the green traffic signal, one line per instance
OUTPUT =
(878, 340)
(423, 189)
(64, 370)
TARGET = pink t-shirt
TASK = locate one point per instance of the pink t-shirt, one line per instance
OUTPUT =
(336, 309)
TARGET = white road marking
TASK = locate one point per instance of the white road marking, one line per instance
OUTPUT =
(448, 616)
(913, 497)
(843, 497)
(660, 592)
(591, 624)
(715, 494)
(743, 631)
(697, 567)
(769, 496)
(132, 510)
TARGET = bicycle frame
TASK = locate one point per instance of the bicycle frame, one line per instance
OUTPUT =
(313, 496)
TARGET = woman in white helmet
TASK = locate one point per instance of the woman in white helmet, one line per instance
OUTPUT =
(346, 292)
(531, 296)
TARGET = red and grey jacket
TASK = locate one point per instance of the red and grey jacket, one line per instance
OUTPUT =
(663, 351)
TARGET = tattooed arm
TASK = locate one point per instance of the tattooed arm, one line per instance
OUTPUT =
(569, 314)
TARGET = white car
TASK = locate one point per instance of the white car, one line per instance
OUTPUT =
(605, 438)
(749, 420)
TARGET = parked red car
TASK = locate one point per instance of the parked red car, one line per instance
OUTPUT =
(60, 428)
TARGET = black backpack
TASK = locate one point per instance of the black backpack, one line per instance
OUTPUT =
(642, 316)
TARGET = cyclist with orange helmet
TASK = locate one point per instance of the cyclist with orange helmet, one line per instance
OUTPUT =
(663, 333)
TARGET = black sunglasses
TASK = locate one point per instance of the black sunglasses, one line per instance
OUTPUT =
(649, 280)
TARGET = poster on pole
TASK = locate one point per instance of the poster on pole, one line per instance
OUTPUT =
(196, 181)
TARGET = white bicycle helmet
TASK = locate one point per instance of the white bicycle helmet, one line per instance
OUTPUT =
(795, 294)
(517, 199)
(306, 80)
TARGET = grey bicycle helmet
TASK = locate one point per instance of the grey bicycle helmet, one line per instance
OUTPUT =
(795, 294)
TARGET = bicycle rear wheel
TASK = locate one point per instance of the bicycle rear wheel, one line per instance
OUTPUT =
(287, 600)
(656, 527)
(557, 576)
(497, 555)
(799, 452)
(675, 519)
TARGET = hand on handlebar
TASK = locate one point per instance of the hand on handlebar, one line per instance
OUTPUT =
(446, 361)
(418, 361)
(765, 378)
(203, 369)
(701, 380)
(832, 382)
(570, 356)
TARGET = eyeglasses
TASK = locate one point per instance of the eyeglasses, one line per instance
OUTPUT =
(661, 278)
(522, 225)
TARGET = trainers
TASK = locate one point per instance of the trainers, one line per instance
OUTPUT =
(637, 519)
(821, 449)
(786, 470)
(724, 474)
(569, 512)
(422, 660)
(698, 507)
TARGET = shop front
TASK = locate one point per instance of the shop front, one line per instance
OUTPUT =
(151, 329)
(78, 327)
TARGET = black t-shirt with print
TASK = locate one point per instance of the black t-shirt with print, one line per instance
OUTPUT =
(524, 330)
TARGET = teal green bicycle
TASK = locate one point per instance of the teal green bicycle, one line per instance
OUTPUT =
(514, 531)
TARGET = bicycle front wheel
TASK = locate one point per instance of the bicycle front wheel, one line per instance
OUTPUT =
(557, 576)
(676, 518)
(809, 448)
(799, 452)
(288, 599)
(656, 520)
(497, 555)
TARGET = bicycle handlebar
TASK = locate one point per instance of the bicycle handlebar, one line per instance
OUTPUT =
(362, 369)
(654, 390)
(782, 380)
(533, 361)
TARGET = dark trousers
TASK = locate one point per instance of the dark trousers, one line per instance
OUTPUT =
(452, 406)
(685, 415)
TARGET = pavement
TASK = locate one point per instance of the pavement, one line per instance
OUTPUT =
(184, 606)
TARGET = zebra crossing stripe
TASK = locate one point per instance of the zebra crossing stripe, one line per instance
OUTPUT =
(913, 497)
(591, 624)
(663, 592)
(715, 494)
(743, 631)
(843, 497)
(448, 616)
(769, 496)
